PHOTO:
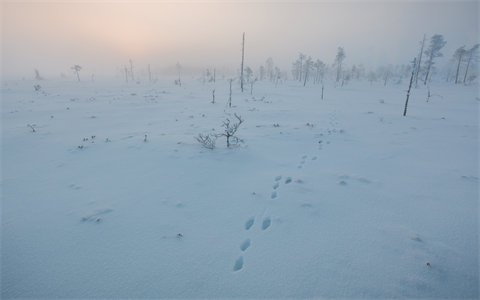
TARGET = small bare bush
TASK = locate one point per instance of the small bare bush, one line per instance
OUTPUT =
(207, 141)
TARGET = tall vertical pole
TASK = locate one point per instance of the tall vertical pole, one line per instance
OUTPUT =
(243, 52)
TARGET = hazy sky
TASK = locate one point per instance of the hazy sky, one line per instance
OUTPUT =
(101, 35)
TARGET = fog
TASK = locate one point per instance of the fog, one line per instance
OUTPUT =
(103, 36)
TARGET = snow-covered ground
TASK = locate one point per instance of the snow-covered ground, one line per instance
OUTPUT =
(336, 198)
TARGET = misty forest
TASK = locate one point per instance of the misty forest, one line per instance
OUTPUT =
(322, 177)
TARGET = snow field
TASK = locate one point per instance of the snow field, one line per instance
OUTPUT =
(333, 198)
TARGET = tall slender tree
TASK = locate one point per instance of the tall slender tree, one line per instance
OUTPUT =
(179, 67)
(432, 52)
(131, 70)
(410, 86)
(472, 55)
(77, 69)
(270, 72)
(243, 55)
(417, 71)
(459, 57)
(339, 61)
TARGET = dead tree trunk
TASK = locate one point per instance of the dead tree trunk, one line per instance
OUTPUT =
(419, 61)
(131, 70)
(243, 54)
(410, 86)
(149, 75)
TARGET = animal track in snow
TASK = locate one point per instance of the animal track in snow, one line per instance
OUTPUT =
(278, 177)
(288, 180)
(276, 185)
(249, 223)
(299, 167)
(302, 162)
(244, 246)
(314, 158)
(274, 195)
(238, 264)
(305, 156)
(266, 223)
(95, 214)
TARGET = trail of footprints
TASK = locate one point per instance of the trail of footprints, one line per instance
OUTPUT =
(267, 221)
(244, 246)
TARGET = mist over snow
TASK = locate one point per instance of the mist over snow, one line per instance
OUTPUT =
(140, 161)
(103, 36)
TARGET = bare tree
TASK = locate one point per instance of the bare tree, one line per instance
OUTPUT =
(459, 57)
(243, 55)
(308, 66)
(472, 56)
(77, 69)
(339, 61)
(37, 75)
(207, 141)
(410, 86)
(417, 71)
(149, 74)
(261, 72)
(178, 68)
(320, 70)
(301, 58)
(433, 51)
(249, 73)
(131, 70)
(230, 130)
(270, 65)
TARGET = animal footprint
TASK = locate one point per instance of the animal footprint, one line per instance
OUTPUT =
(244, 246)
(249, 223)
(314, 158)
(302, 162)
(266, 223)
(238, 264)
(299, 167)
(276, 185)
(305, 156)
(274, 195)
(289, 179)
(278, 177)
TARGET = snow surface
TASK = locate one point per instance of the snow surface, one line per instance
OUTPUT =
(353, 204)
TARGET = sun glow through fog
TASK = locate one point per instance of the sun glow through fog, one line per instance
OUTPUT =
(55, 35)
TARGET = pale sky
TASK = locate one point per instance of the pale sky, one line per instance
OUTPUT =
(103, 35)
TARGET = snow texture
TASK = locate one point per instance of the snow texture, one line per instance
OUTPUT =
(364, 203)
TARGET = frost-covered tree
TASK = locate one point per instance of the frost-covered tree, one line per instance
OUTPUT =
(77, 69)
(261, 72)
(417, 71)
(37, 75)
(472, 56)
(270, 69)
(179, 67)
(301, 58)
(432, 52)
(410, 85)
(230, 130)
(308, 67)
(296, 69)
(339, 61)
(458, 58)
(319, 70)
(248, 73)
